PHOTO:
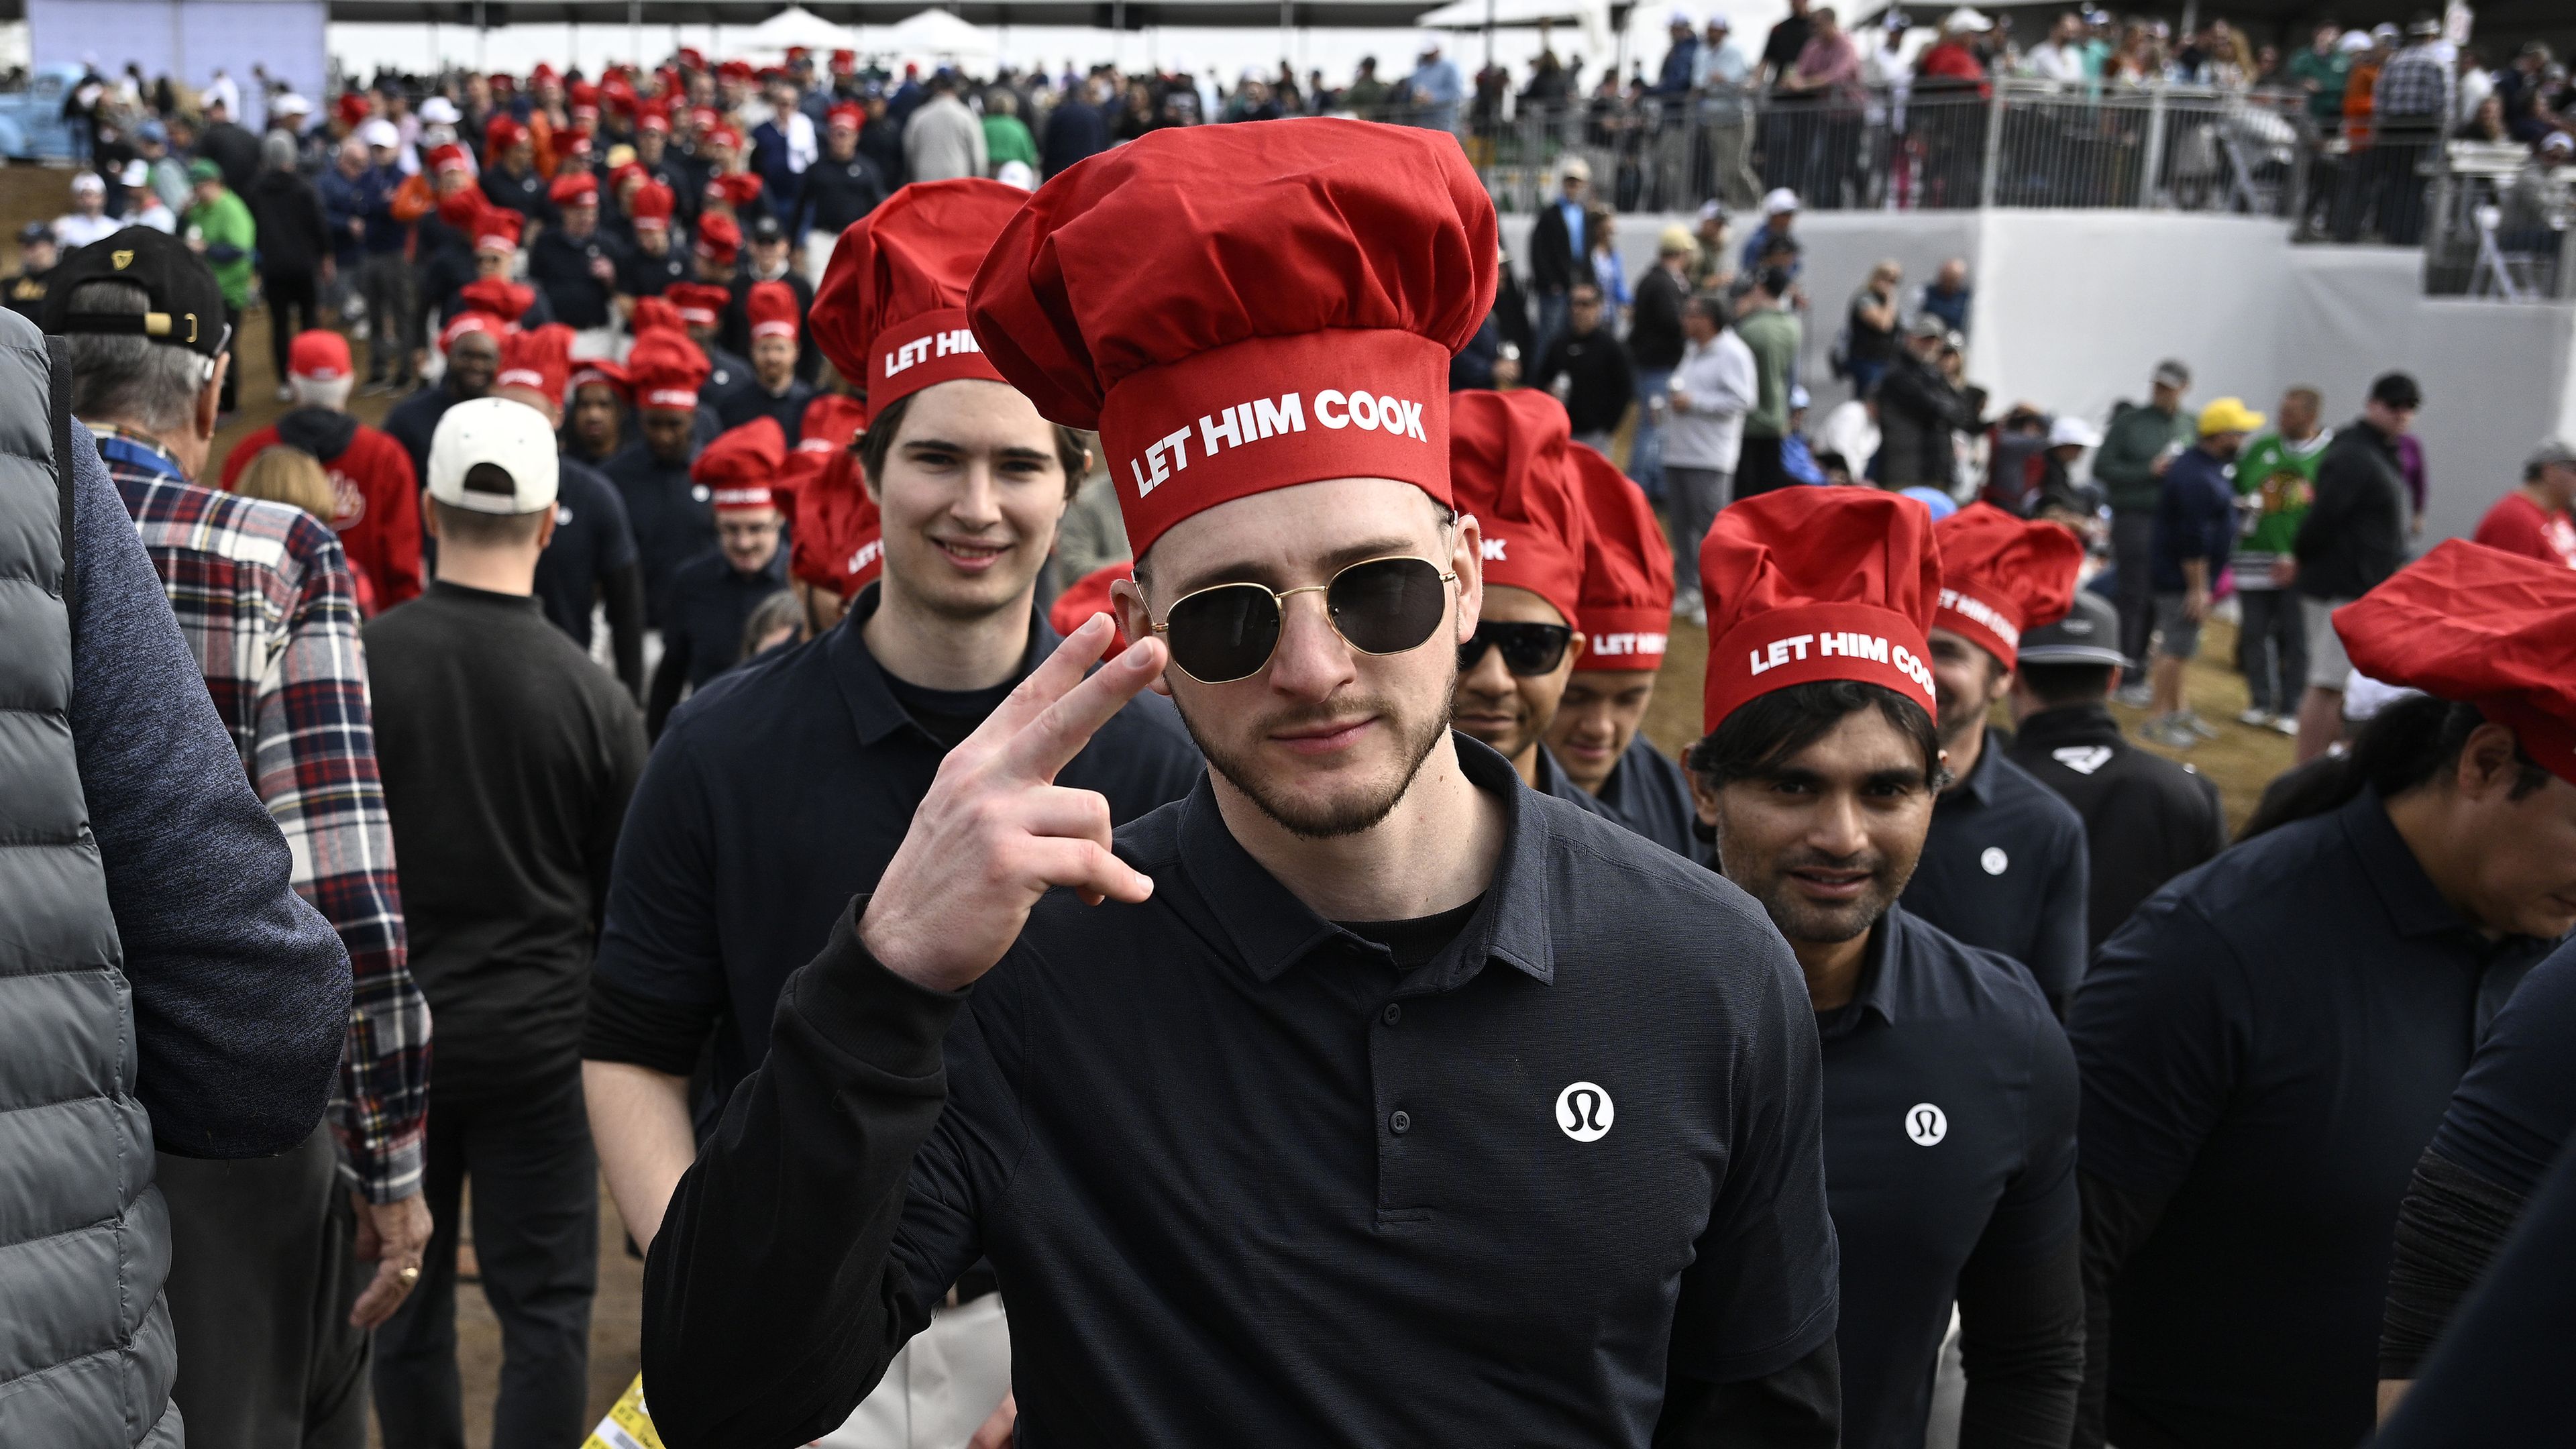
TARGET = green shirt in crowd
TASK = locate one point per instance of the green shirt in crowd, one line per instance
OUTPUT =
(1007, 138)
(1771, 335)
(224, 225)
(2275, 481)
(2125, 464)
(2329, 71)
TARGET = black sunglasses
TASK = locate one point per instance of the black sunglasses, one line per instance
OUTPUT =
(1528, 649)
(1378, 606)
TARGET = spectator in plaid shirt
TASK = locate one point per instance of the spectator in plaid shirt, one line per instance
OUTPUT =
(2411, 107)
(270, 1330)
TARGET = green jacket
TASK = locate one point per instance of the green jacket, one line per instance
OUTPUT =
(1772, 337)
(224, 225)
(2125, 464)
(2330, 71)
(1007, 138)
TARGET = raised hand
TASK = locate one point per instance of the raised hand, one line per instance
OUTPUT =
(996, 832)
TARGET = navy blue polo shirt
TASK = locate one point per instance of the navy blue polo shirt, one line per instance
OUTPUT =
(1651, 796)
(2516, 1107)
(781, 790)
(591, 542)
(711, 604)
(2266, 1047)
(1247, 1181)
(1554, 783)
(2004, 868)
(755, 401)
(1950, 1109)
(673, 516)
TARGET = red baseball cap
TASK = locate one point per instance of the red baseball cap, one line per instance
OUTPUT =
(2476, 625)
(1806, 584)
(1626, 609)
(1507, 467)
(891, 313)
(741, 465)
(667, 370)
(574, 188)
(700, 304)
(719, 237)
(1289, 297)
(318, 356)
(2001, 575)
(538, 359)
(1087, 596)
(504, 300)
(771, 307)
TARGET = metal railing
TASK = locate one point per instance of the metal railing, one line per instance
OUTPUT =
(2499, 227)
(1925, 147)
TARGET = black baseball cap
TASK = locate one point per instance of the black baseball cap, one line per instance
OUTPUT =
(765, 228)
(34, 232)
(182, 305)
(2396, 390)
(2089, 634)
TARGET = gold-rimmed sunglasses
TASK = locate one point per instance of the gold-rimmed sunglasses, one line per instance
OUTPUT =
(1227, 632)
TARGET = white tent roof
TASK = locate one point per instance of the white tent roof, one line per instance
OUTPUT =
(934, 33)
(797, 25)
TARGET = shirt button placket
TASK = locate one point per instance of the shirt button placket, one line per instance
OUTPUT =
(1400, 1123)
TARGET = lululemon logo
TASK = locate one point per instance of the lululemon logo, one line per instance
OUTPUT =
(1583, 1112)
(701, 492)
(1926, 1124)
(1994, 860)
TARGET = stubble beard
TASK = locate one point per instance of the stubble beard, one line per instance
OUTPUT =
(1326, 819)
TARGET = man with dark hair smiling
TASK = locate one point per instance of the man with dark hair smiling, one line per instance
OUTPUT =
(1626, 615)
(1356, 1111)
(1950, 1094)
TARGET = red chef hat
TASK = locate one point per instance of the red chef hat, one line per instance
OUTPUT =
(1818, 583)
(501, 133)
(352, 107)
(574, 188)
(844, 62)
(772, 309)
(1627, 605)
(650, 208)
(736, 70)
(653, 118)
(496, 228)
(2000, 575)
(1287, 295)
(1507, 467)
(736, 189)
(839, 540)
(625, 171)
(667, 370)
(891, 313)
(2477, 625)
(545, 71)
(723, 135)
(845, 114)
(692, 57)
(470, 321)
(1087, 596)
(538, 359)
(503, 299)
(719, 238)
(601, 370)
(831, 423)
(657, 314)
(449, 157)
(742, 464)
(701, 304)
(704, 119)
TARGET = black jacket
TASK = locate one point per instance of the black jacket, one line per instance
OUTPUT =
(1600, 382)
(1655, 331)
(233, 149)
(2355, 533)
(1075, 131)
(1917, 411)
(1553, 264)
(293, 237)
(2146, 818)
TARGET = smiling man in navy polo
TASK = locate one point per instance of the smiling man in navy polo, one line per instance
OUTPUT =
(1367, 1096)
(1950, 1097)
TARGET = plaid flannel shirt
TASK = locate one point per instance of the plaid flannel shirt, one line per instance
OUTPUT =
(2416, 87)
(266, 601)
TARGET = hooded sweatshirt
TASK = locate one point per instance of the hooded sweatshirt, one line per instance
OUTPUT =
(375, 495)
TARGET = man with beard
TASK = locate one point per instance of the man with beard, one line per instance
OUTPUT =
(571, 262)
(667, 509)
(1356, 1111)
(1950, 1097)
(1507, 467)
(1626, 616)
(472, 343)
(769, 258)
(775, 392)
(775, 794)
(2004, 866)
(714, 594)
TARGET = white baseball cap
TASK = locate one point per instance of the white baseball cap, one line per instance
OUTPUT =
(513, 438)
(1779, 201)
(380, 133)
(2070, 431)
(439, 111)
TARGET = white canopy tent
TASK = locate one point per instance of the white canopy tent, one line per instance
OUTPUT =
(798, 26)
(1589, 17)
(937, 35)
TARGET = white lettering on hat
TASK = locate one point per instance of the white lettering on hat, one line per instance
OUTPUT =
(1243, 424)
(921, 349)
(1842, 643)
(1625, 645)
(1968, 607)
(1250, 422)
(1853, 646)
(866, 555)
(1337, 409)
(1491, 549)
(1781, 651)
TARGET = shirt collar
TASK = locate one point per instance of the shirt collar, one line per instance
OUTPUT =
(1271, 930)
(2414, 907)
(2085, 724)
(873, 707)
(134, 449)
(1979, 788)
(1879, 962)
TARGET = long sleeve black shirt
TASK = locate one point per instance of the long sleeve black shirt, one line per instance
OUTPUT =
(2146, 819)
(1247, 1181)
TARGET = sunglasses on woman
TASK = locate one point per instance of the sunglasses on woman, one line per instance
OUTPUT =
(1528, 649)
(1379, 606)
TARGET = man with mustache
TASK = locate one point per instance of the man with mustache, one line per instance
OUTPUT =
(1950, 1094)
(1379, 1099)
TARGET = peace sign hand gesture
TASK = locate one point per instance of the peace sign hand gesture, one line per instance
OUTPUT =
(996, 832)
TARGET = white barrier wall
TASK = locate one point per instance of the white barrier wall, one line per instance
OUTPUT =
(2074, 308)
(188, 39)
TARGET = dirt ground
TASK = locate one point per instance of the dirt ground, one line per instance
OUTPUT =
(2241, 760)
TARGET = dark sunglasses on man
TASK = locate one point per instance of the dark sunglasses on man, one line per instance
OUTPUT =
(1528, 649)
(1379, 606)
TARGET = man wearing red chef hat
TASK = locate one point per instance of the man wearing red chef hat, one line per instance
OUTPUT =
(777, 794)
(1367, 1096)
(2270, 1041)
(714, 594)
(774, 391)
